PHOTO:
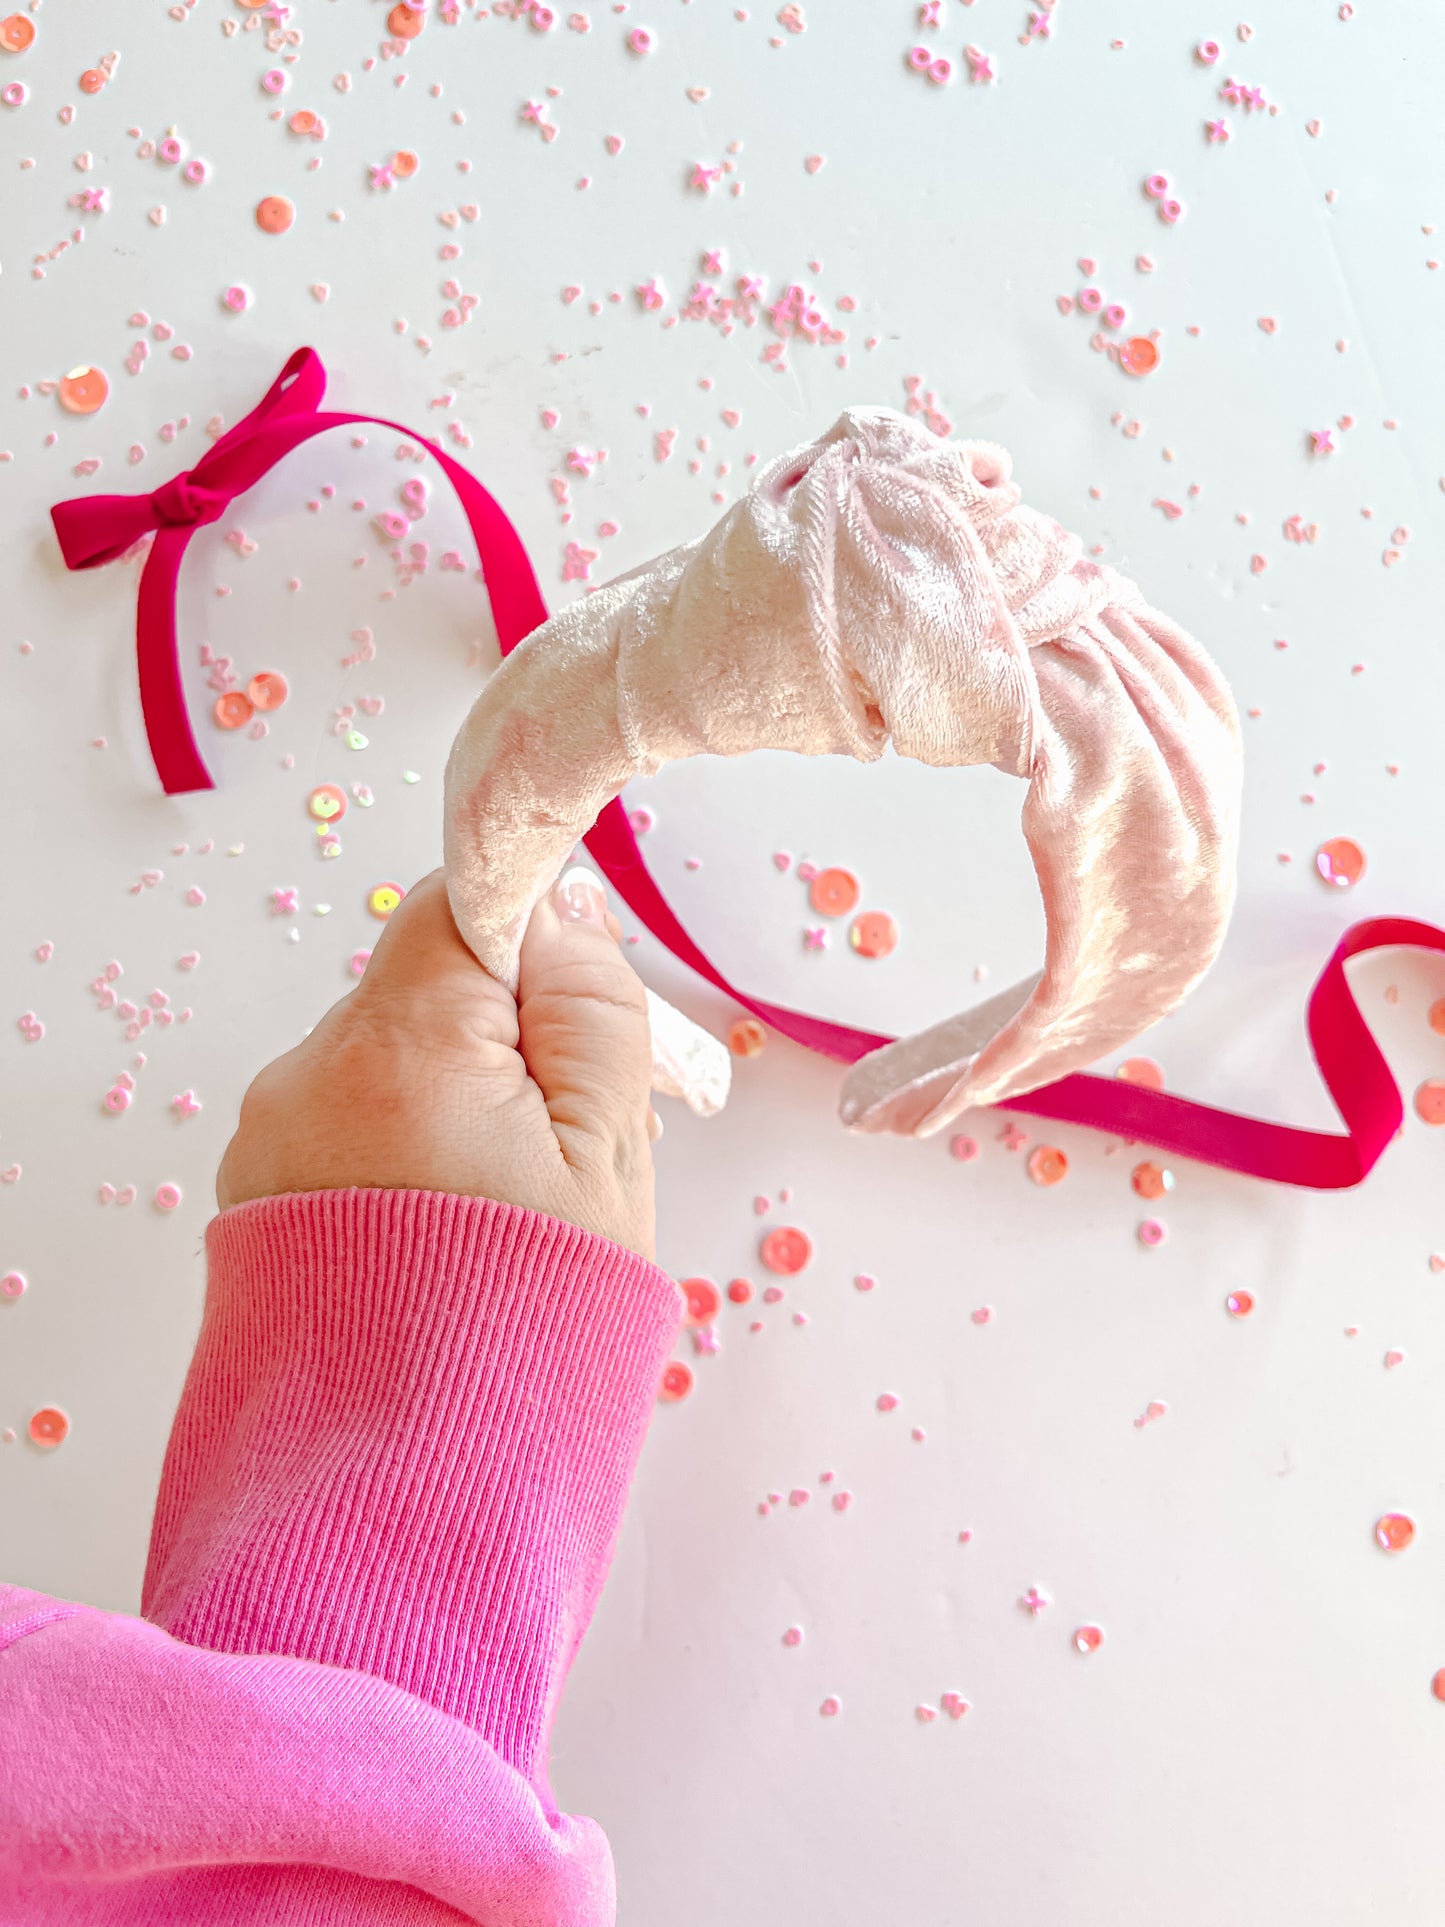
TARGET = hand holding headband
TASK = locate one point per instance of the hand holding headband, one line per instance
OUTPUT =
(879, 584)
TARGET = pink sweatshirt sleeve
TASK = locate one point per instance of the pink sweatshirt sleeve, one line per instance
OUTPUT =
(390, 1499)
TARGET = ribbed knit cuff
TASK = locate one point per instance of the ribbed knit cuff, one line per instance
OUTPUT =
(405, 1444)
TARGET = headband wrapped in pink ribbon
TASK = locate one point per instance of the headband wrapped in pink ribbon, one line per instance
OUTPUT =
(877, 553)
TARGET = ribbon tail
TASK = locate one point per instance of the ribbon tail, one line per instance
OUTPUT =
(95, 529)
(163, 702)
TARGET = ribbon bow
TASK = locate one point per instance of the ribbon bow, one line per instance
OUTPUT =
(95, 529)
(98, 528)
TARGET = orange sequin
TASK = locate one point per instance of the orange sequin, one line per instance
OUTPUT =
(274, 214)
(747, 1038)
(268, 690)
(873, 934)
(786, 1250)
(834, 892)
(1143, 1071)
(677, 1382)
(1394, 1531)
(1152, 1181)
(704, 1300)
(383, 899)
(1340, 861)
(1048, 1165)
(233, 710)
(83, 390)
(49, 1425)
(1139, 355)
(327, 803)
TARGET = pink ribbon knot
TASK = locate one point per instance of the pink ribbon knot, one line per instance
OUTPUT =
(182, 502)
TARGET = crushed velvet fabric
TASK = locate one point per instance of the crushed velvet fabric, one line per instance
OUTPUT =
(882, 584)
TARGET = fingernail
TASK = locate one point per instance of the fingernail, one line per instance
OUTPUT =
(579, 896)
(654, 1126)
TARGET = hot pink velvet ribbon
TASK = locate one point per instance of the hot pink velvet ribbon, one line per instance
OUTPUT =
(97, 528)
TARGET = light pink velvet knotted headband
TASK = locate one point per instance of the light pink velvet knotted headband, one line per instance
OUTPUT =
(882, 584)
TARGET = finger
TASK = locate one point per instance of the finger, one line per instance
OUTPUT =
(421, 959)
(582, 1015)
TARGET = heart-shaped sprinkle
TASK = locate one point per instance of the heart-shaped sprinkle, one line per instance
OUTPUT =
(1393, 1358)
(157, 217)
(696, 94)
(1268, 324)
(813, 162)
(954, 1704)
(982, 1315)
(126, 1195)
(1314, 128)
(887, 1401)
(569, 295)
(842, 1501)
(1087, 265)
(925, 1715)
(731, 417)
(864, 1281)
(320, 290)
(613, 143)
(107, 1194)
(10, 1175)
(781, 860)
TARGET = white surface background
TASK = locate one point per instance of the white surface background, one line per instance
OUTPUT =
(1256, 1741)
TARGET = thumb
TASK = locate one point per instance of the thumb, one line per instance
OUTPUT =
(582, 1019)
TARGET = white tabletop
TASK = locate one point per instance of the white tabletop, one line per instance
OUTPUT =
(1256, 1740)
